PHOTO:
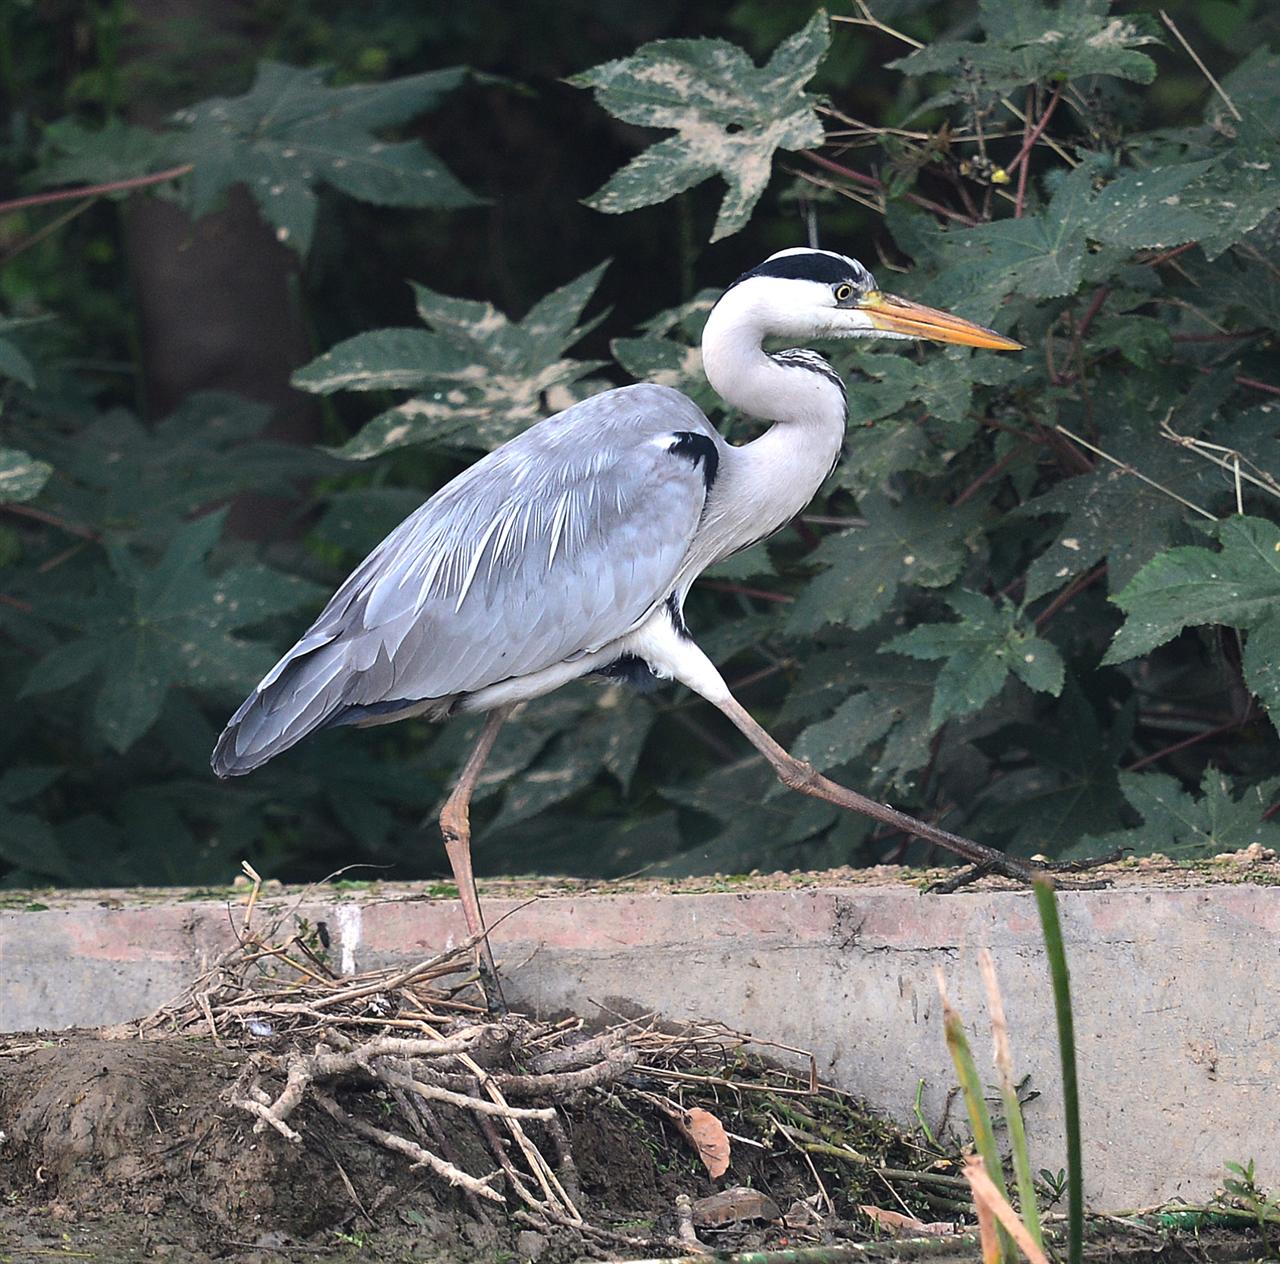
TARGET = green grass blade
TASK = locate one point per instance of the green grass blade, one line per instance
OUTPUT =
(1028, 1208)
(1052, 929)
(984, 1137)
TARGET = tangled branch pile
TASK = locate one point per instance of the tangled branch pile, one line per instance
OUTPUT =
(473, 1100)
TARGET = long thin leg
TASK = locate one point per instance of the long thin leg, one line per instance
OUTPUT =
(688, 664)
(798, 775)
(455, 825)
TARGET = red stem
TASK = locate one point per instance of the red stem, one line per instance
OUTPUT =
(1077, 585)
(94, 190)
(1193, 740)
(871, 182)
(51, 520)
(1095, 305)
(987, 475)
(1258, 386)
(1164, 257)
(721, 585)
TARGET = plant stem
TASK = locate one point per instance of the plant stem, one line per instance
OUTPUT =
(984, 1137)
(95, 190)
(1051, 927)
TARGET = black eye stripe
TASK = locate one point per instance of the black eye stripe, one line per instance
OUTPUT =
(814, 266)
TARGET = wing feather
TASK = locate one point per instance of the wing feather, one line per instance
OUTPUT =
(552, 546)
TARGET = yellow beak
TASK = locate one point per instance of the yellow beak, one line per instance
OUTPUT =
(901, 316)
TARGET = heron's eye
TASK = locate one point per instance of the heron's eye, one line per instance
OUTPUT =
(843, 292)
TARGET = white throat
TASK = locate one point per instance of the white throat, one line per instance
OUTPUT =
(765, 483)
(748, 379)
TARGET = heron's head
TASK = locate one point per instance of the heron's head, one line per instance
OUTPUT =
(803, 293)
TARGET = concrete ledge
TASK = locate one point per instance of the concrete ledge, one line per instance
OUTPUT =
(1177, 991)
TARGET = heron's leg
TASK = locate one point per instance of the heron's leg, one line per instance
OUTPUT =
(455, 825)
(798, 775)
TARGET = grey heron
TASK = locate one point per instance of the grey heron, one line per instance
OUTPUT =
(570, 549)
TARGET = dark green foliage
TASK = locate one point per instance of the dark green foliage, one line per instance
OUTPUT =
(1039, 600)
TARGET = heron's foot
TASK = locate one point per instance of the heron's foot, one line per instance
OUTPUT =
(1029, 872)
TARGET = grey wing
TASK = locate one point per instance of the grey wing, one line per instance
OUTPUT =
(552, 546)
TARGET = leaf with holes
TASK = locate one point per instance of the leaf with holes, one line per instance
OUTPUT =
(917, 543)
(1180, 824)
(1121, 513)
(979, 653)
(483, 378)
(290, 133)
(159, 627)
(707, 1136)
(729, 117)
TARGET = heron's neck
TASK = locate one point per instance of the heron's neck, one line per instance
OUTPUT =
(766, 482)
(768, 387)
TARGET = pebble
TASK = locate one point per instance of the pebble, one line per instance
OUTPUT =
(530, 1245)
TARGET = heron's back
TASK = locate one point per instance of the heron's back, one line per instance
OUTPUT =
(549, 547)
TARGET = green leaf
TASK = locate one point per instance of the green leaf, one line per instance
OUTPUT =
(1028, 42)
(729, 117)
(22, 477)
(608, 735)
(1142, 340)
(290, 133)
(139, 482)
(169, 625)
(889, 703)
(1039, 256)
(14, 364)
(1261, 663)
(1110, 513)
(486, 377)
(102, 155)
(1067, 787)
(917, 543)
(1187, 587)
(1145, 209)
(980, 652)
(1180, 825)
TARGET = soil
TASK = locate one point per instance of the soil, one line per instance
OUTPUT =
(120, 1150)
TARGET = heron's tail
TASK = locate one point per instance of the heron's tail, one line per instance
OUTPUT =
(297, 696)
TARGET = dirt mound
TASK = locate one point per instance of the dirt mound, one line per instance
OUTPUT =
(97, 1127)
(141, 1135)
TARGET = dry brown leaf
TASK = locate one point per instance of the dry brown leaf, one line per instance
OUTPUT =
(896, 1223)
(989, 1200)
(707, 1136)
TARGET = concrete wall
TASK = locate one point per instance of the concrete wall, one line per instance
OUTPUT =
(1177, 993)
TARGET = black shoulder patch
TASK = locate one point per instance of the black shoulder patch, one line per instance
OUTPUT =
(698, 449)
(676, 612)
(630, 670)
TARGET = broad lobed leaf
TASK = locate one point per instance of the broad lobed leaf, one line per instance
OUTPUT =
(730, 117)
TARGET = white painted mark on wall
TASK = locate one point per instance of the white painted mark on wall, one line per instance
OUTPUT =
(350, 918)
